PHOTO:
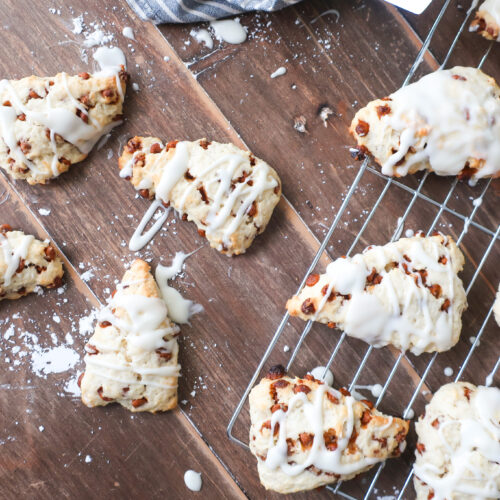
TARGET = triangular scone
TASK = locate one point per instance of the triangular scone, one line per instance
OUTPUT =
(496, 307)
(305, 434)
(458, 449)
(132, 357)
(47, 124)
(26, 263)
(406, 293)
(227, 192)
(487, 20)
(447, 123)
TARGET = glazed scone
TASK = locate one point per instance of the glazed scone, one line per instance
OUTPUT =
(406, 293)
(26, 263)
(448, 123)
(306, 434)
(487, 20)
(132, 356)
(458, 449)
(496, 307)
(50, 123)
(227, 192)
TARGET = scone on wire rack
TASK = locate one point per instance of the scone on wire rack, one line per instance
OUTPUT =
(131, 358)
(26, 263)
(228, 193)
(487, 20)
(50, 123)
(405, 293)
(447, 123)
(458, 449)
(306, 434)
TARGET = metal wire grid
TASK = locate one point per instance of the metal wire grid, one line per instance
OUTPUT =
(416, 194)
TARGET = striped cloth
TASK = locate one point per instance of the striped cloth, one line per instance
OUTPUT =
(192, 11)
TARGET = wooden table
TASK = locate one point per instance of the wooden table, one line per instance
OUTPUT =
(188, 92)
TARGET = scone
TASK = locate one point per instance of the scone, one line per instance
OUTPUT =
(132, 356)
(458, 449)
(26, 263)
(496, 307)
(227, 192)
(305, 434)
(487, 20)
(50, 123)
(406, 293)
(448, 123)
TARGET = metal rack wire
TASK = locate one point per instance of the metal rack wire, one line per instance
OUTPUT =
(416, 194)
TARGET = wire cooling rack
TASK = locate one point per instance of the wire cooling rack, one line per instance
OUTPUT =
(416, 194)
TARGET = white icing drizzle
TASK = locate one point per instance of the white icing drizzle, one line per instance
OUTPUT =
(180, 309)
(192, 480)
(231, 202)
(460, 117)
(12, 257)
(369, 319)
(58, 120)
(140, 238)
(142, 323)
(229, 30)
(319, 456)
(479, 436)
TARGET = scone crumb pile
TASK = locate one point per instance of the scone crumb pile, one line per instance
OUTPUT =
(227, 192)
(306, 434)
(447, 122)
(458, 449)
(406, 293)
(48, 124)
(26, 263)
(132, 357)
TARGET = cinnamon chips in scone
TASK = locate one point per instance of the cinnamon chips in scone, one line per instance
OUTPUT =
(406, 293)
(447, 123)
(487, 20)
(49, 123)
(306, 434)
(131, 358)
(26, 263)
(228, 193)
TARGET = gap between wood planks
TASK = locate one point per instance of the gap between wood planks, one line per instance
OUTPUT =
(87, 291)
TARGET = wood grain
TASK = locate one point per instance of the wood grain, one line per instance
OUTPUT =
(226, 95)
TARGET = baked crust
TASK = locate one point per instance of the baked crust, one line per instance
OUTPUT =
(407, 294)
(26, 263)
(132, 356)
(354, 435)
(228, 193)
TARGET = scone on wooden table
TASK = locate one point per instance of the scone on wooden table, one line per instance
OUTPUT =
(496, 307)
(132, 356)
(50, 123)
(447, 122)
(487, 20)
(306, 434)
(227, 192)
(26, 263)
(458, 449)
(406, 293)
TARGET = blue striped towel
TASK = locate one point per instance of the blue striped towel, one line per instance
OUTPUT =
(192, 11)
